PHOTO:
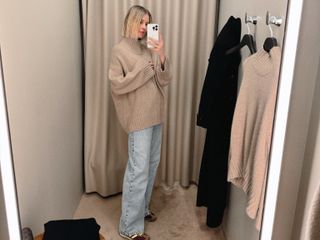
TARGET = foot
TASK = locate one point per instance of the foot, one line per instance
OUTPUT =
(151, 217)
(141, 236)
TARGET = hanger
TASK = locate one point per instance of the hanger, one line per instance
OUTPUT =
(271, 41)
(247, 39)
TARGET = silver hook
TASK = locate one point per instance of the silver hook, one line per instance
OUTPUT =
(273, 20)
(250, 19)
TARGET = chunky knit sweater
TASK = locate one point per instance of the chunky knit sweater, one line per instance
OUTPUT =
(136, 87)
(252, 128)
(313, 223)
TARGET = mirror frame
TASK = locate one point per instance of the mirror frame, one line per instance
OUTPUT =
(281, 116)
(6, 165)
(291, 36)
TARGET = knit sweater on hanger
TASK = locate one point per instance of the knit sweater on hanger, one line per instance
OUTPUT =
(313, 223)
(137, 88)
(252, 128)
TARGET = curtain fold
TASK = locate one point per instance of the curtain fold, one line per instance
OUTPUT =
(188, 28)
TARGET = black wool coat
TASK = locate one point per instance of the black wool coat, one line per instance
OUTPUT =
(217, 103)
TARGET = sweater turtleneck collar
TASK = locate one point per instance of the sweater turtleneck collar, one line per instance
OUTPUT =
(134, 44)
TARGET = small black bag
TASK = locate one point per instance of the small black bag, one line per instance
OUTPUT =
(75, 229)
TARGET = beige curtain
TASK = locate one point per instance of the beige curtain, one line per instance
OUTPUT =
(188, 28)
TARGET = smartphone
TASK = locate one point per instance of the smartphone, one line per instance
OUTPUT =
(153, 32)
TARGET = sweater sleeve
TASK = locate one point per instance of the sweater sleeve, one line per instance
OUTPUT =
(121, 82)
(164, 75)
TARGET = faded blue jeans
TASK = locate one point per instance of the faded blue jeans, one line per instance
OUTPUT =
(144, 156)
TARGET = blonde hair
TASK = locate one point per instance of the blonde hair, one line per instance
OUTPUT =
(132, 21)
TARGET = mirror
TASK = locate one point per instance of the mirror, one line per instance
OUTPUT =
(4, 234)
(47, 144)
(9, 220)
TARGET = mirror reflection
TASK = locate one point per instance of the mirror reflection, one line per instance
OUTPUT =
(71, 151)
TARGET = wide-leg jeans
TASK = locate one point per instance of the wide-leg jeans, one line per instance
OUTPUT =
(144, 148)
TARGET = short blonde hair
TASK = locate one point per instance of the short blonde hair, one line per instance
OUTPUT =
(133, 19)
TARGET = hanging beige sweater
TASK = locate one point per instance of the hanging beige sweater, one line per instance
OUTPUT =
(313, 222)
(137, 88)
(252, 128)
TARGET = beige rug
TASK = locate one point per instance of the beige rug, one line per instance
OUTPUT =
(178, 216)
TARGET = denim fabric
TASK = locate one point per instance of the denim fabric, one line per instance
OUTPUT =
(144, 156)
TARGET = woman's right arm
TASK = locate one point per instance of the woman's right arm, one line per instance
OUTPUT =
(122, 83)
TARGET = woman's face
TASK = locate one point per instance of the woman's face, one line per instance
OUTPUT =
(143, 26)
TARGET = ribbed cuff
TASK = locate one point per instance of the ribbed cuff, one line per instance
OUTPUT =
(164, 76)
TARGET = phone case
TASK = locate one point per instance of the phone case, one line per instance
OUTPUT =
(153, 32)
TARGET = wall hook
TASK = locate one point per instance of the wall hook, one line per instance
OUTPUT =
(273, 20)
(251, 19)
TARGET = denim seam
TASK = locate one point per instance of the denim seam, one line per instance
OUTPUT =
(131, 181)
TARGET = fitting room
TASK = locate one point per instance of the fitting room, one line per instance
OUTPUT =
(68, 151)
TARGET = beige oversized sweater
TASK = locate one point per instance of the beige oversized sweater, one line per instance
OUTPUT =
(313, 222)
(252, 128)
(137, 88)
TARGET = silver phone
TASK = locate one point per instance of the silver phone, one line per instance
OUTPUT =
(153, 32)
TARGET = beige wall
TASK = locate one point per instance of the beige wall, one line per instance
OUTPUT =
(300, 147)
(41, 50)
(238, 225)
(310, 177)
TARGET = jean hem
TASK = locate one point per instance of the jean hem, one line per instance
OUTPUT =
(122, 234)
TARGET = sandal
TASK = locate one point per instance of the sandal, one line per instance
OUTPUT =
(151, 217)
(141, 236)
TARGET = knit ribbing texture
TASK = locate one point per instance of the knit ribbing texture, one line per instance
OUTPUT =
(137, 88)
(252, 128)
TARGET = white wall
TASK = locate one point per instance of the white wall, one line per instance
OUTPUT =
(301, 149)
(41, 51)
(237, 224)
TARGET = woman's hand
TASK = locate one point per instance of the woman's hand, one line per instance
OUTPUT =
(151, 64)
(158, 47)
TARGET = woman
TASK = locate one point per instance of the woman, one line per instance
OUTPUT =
(138, 75)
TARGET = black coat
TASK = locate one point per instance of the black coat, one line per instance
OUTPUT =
(218, 99)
